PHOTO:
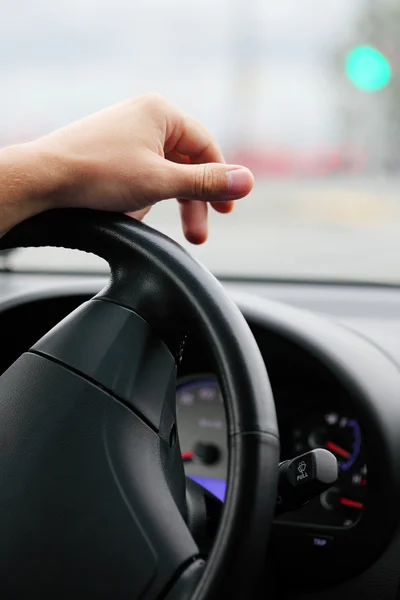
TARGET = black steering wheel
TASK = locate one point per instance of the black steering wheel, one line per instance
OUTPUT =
(92, 494)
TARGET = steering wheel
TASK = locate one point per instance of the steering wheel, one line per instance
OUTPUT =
(92, 494)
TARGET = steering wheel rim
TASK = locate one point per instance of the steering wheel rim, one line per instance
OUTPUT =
(155, 278)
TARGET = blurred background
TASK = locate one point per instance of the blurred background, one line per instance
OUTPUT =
(304, 92)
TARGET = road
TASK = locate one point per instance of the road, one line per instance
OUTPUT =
(329, 228)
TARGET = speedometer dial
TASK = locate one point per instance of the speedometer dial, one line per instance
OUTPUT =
(340, 435)
(342, 504)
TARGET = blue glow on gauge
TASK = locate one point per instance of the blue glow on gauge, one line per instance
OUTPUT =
(217, 487)
(347, 464)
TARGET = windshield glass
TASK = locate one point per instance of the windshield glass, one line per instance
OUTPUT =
(304, 92)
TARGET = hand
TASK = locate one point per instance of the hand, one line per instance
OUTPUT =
(134, 154)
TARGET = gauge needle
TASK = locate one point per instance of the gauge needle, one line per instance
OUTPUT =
(351, 503)
(188, 455)
(338, 449)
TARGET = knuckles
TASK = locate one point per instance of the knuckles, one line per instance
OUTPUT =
(208, 181)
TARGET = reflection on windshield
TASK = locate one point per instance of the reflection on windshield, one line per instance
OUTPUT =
(306, 93)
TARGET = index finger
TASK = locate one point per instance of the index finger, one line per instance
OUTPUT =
(187, 136)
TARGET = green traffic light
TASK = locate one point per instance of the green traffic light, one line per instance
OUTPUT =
(367, 68)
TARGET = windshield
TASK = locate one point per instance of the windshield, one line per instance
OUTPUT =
(304, 92)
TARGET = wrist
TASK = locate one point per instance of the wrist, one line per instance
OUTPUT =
(29, 184)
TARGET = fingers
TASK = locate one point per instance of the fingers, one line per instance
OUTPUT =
(187, 137)
(223, 206)
(193, 217)
(211, 182)
(194, 231)
(213, 154)
(194, 170)
(194, 220)
(189, 142)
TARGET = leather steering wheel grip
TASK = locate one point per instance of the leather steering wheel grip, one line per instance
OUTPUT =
(92, 483)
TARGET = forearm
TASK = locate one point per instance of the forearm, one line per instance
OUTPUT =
(27, 186)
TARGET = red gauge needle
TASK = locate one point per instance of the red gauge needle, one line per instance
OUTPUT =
(338, 450)
(351, 503)
(188, 455)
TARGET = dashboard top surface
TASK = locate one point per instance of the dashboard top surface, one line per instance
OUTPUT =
(338, 300)
(371, 311)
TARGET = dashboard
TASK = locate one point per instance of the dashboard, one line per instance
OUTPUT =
(203, 437)
(333, 359)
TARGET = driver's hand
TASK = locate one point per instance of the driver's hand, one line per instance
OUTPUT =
(134, 154)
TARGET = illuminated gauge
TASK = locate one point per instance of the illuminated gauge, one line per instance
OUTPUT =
(340, 435)
(202, 432)
(342, 504)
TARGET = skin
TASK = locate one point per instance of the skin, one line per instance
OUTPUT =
(125, 158)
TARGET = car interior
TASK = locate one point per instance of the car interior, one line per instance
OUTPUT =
(332, 358)
(181, 422)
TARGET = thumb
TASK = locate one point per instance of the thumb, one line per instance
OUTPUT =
(210, 181)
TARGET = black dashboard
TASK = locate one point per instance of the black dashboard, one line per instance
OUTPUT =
(313, 412)
(333, 357)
